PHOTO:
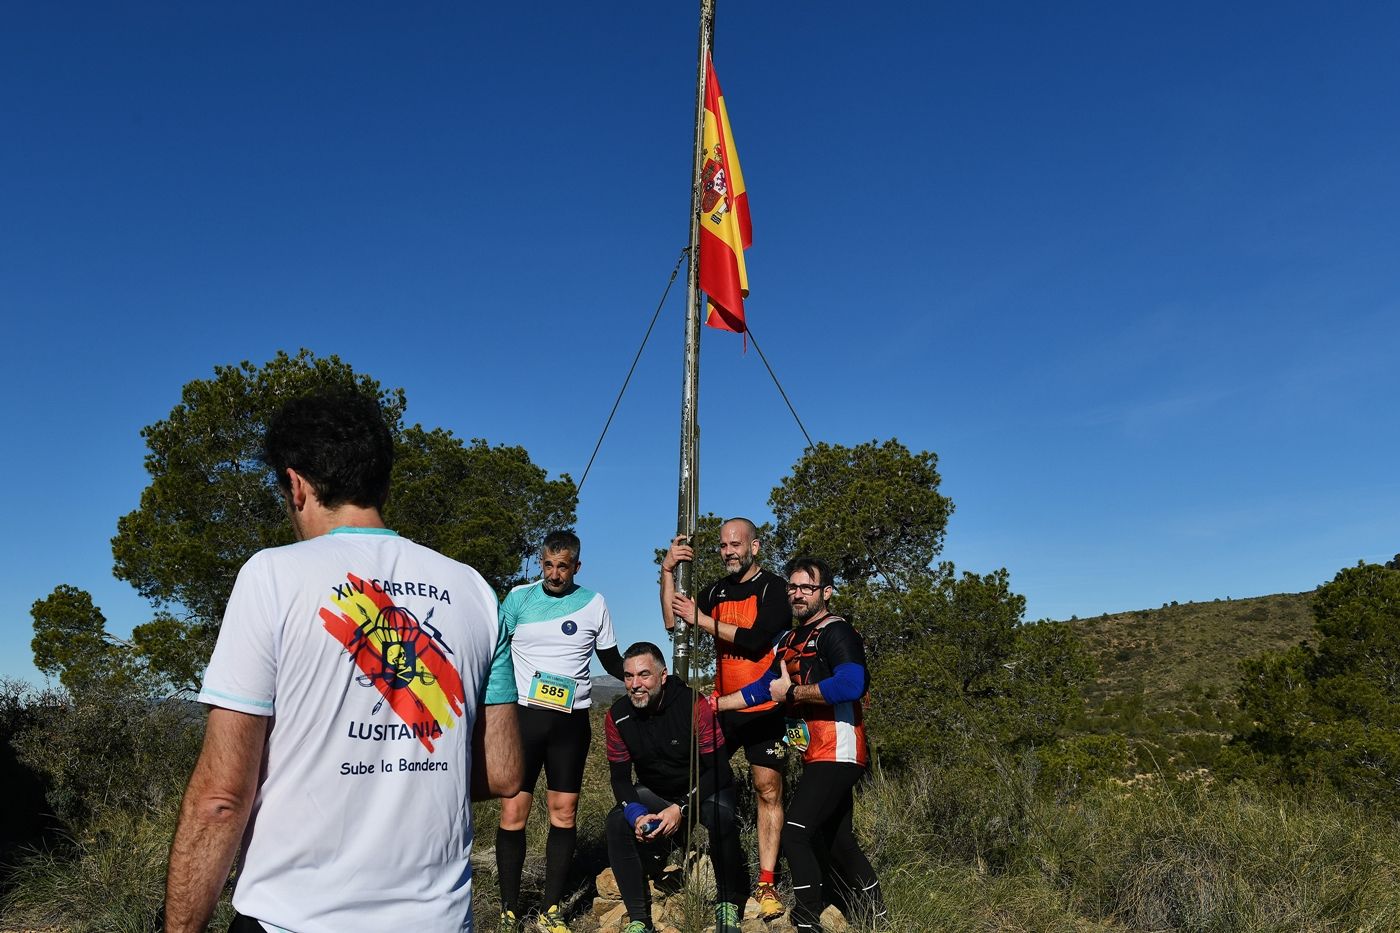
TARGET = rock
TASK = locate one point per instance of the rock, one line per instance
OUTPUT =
(604, 905)
(782, 924)
(672, 880)
(613, 920)
(833, 920)
(702, 876)
(607, 885)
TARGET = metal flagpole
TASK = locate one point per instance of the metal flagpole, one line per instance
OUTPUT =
(688, 499)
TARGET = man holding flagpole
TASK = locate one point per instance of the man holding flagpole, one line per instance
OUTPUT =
(746, 613)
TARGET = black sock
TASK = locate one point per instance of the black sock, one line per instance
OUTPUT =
(510, 862)
(558, 859)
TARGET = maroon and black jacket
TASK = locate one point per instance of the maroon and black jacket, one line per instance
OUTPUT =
(656, 745)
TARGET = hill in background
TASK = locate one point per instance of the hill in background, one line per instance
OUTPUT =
(1166, 677)
(606, 688)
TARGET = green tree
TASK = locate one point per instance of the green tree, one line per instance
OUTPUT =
(109, 738)
(70, 638)
(1331, 713)
(869, 510)
(950, 660)
(487, 506)
(212, 503)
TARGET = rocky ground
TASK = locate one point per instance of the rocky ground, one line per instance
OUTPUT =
(680, 903)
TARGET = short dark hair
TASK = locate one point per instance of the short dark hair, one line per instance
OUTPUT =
(338, 441)
(562, 541)
(644, 647)
(813, 567)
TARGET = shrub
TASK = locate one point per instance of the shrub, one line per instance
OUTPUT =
(1080, 762)
(105, 749)
(109, 879)
(1189, 855)
(1331, 713)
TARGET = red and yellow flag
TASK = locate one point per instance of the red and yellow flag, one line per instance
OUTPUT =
(725, 231)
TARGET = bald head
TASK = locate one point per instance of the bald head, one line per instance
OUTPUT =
(738, 548)
(740, 522)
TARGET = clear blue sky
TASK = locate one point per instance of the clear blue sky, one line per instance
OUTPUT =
(1129, 269)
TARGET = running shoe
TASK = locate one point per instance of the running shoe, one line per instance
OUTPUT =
(508, 923)
(726, 917)
(769, 906)
(637, 926)
(552, 921)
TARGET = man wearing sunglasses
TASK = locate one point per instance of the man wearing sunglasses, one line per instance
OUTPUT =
(820, 677)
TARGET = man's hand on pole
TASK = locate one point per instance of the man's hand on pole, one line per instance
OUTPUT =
(678, 552)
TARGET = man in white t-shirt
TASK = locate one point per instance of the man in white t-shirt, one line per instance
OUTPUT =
(554, 626)
(346, 721)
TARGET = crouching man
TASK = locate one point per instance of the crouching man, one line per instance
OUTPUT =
(648, 731)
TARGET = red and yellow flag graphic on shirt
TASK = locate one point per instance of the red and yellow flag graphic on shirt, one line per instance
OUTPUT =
(725, 231)
(403, 658)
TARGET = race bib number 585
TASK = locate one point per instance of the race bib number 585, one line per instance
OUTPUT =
(551, 691)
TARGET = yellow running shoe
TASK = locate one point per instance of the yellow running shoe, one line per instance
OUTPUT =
(768, 904)
(552, 921)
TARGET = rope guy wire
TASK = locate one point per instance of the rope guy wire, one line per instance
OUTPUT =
(774, 376)
(647, 336)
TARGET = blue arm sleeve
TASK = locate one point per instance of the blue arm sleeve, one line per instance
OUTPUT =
(758, 691)
(634, 812)
(845, 684)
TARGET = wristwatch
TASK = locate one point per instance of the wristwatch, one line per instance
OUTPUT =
(791, 690)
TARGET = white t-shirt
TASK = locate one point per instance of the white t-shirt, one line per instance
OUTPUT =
(554, 637)
(371, 653)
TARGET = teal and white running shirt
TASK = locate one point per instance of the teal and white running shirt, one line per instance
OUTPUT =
(552, 640)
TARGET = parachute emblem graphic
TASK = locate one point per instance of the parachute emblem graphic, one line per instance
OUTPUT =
(407, 660)
(399, 638)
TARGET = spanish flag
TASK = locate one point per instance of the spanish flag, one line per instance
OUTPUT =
(725, 231)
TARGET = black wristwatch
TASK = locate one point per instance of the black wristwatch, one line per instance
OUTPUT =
(791, 689)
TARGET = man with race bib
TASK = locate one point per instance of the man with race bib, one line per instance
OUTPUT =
(819, 675)
(554, 626)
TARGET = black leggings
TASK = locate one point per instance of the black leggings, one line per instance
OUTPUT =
(816, 822)
(557, 742)
(633, 861)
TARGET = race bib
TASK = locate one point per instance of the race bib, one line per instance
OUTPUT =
(797, 735)
(551, 691)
